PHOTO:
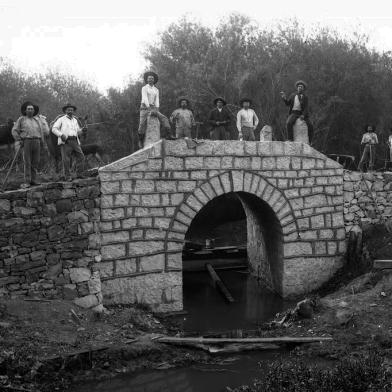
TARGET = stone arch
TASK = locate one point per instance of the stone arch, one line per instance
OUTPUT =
(258, 196)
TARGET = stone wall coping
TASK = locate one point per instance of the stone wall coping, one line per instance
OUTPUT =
(217, 148)
(20, 193)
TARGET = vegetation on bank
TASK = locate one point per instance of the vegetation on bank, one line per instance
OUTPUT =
(364, 374)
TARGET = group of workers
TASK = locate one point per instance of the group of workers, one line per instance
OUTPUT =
(30, 131)
(219, 118)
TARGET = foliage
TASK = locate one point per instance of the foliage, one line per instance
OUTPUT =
(349, 84)
(366, 374)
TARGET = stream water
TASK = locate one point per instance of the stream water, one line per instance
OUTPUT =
(208, 312)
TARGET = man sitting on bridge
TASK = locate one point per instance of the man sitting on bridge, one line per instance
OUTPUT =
(247, 121)
(370, 140)
(29, 132)
(150, 107)
(183, 119)
(299, 108)
(219, 119)
(67, 129)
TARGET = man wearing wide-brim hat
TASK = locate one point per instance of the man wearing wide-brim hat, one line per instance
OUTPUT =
(150, 107)
(29, 133)
(247, 121)
(183, 119)
(67, 129)
(219, 119)
(298, 103)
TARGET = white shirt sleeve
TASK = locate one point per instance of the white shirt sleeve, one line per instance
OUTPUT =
(256, 119)
(157, 98)
(145, 97)
(239, 121)
(56, 129)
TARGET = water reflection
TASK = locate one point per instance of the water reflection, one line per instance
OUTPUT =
(213, 378)
(208, 311)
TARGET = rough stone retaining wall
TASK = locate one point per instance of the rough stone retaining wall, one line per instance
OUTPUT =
(150, 198)
(360, 192)
(49, 242)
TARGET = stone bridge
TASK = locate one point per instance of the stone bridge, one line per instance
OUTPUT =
(292, 196)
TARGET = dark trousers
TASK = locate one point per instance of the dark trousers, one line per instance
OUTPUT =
(291, 119)
(220, 133)
(31, 155)
(248, 134)
(70, 147)
(368, 155)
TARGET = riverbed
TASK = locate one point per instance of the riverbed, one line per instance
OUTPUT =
(208, 312)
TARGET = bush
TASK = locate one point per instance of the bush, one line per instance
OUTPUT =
(362, 375)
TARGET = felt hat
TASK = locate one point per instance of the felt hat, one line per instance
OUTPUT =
(24, 107)
(301, 82)
(245, 99)
(150, 73)
(68, 105)
(183, 99)
(219, 99)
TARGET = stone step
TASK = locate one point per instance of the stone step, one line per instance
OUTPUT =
(382, 264)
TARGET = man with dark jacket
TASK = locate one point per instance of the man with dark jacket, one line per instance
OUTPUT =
(219, 119)
(298, 104)
(29, 133)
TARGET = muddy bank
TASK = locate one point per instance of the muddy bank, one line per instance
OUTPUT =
(53, 345)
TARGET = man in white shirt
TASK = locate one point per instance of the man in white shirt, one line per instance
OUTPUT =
(150, 107)
(370, 140)
(247, 121)
(67, 129)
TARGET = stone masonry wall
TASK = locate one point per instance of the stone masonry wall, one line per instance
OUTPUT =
(150, 198)
(360, 192)
(49, 241)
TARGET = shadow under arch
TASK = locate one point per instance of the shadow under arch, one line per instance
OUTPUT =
(255, 223)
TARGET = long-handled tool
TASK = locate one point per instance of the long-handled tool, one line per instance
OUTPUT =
(11, 167)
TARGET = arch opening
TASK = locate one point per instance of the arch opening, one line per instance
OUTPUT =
(237, 229)
(246, 224)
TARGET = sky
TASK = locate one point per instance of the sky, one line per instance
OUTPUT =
(103, 41)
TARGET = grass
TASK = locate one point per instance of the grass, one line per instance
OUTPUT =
(367, 374)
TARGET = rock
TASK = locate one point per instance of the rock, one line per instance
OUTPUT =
(98, 309)
(55, 233)
(69, 291)
(343, 316)
(94, 284)
(5, 205)
(300, 131)
(89, 301)
(64, 205)
(78, 217)
(54, 271)
(304, 309)
(79, 275)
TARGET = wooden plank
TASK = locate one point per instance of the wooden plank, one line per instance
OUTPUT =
(273, 340)
(218, 263)
(218, 283)
(382, 264)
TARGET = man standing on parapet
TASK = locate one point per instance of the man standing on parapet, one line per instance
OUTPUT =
(29, 132)
(183, 119)
(298, 103)
(247, 121)
(370, 141)
(150, 107)
(219, 119)
(67, 129)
